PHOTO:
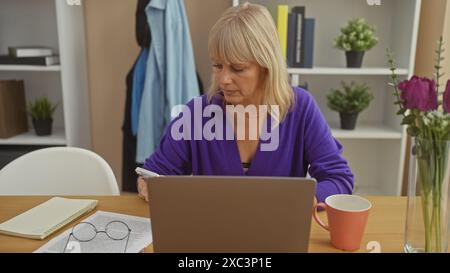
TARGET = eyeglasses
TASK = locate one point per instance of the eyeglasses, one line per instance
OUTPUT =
(86, 232)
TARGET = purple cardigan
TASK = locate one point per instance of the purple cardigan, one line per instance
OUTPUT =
(306, 145)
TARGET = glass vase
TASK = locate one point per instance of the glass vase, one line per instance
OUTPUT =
(428, 206)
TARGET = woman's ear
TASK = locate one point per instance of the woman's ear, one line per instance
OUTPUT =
(264, 73)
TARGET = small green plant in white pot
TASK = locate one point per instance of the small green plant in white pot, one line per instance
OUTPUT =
(355, 39)
(349, 102)
(41, 111)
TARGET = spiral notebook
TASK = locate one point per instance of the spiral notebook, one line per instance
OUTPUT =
(46, 218)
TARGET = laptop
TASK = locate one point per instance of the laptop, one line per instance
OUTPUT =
(217, 214)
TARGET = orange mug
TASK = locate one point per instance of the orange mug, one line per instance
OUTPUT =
(347, 217)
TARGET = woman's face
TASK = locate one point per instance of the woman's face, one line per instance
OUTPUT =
(241, 83)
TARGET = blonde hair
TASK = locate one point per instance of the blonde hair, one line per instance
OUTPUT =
(247, 33)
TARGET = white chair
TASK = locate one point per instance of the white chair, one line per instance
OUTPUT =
(58, 171)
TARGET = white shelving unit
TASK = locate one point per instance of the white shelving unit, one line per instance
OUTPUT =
(29, 68)
(296, 72)
(375, 150)
(58, 137)
(366, 131)
(55, 24)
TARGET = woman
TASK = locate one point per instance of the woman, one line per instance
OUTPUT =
(249, 70)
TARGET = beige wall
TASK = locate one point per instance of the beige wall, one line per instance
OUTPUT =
(446, 34)
(112, 49)
(202, 14)
(430, 29)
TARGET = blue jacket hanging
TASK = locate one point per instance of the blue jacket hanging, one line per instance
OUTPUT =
(170, 77)
(138, 88)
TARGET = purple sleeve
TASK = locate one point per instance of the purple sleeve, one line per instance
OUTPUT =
(172, 157)
(324, 155)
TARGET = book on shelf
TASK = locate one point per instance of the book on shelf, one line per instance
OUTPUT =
(299, 11)
(308, 45)
(300, 40)
(29, 51)
(290, 53)
(282, 27)
(43, 61)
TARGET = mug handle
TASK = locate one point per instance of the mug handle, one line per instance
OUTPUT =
(316, 216)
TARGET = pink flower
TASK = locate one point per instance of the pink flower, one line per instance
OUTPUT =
(446, 102)
(419, 93)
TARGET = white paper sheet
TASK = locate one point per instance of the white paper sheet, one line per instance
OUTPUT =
(140, 236)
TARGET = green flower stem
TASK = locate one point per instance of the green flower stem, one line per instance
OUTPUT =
(426, 221)
(441, 160)
(425, 192)
(437, 201)
(394, 80)
(436, 220)
(438, 64)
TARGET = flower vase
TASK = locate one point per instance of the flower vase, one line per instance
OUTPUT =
(428, 205)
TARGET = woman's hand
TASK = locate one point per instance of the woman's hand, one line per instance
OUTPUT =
(142, 189)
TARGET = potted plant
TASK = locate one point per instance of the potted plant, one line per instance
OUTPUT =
(41, 112)
(349, 102)
(356, 38)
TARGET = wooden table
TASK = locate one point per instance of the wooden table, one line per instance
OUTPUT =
(385, 225)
